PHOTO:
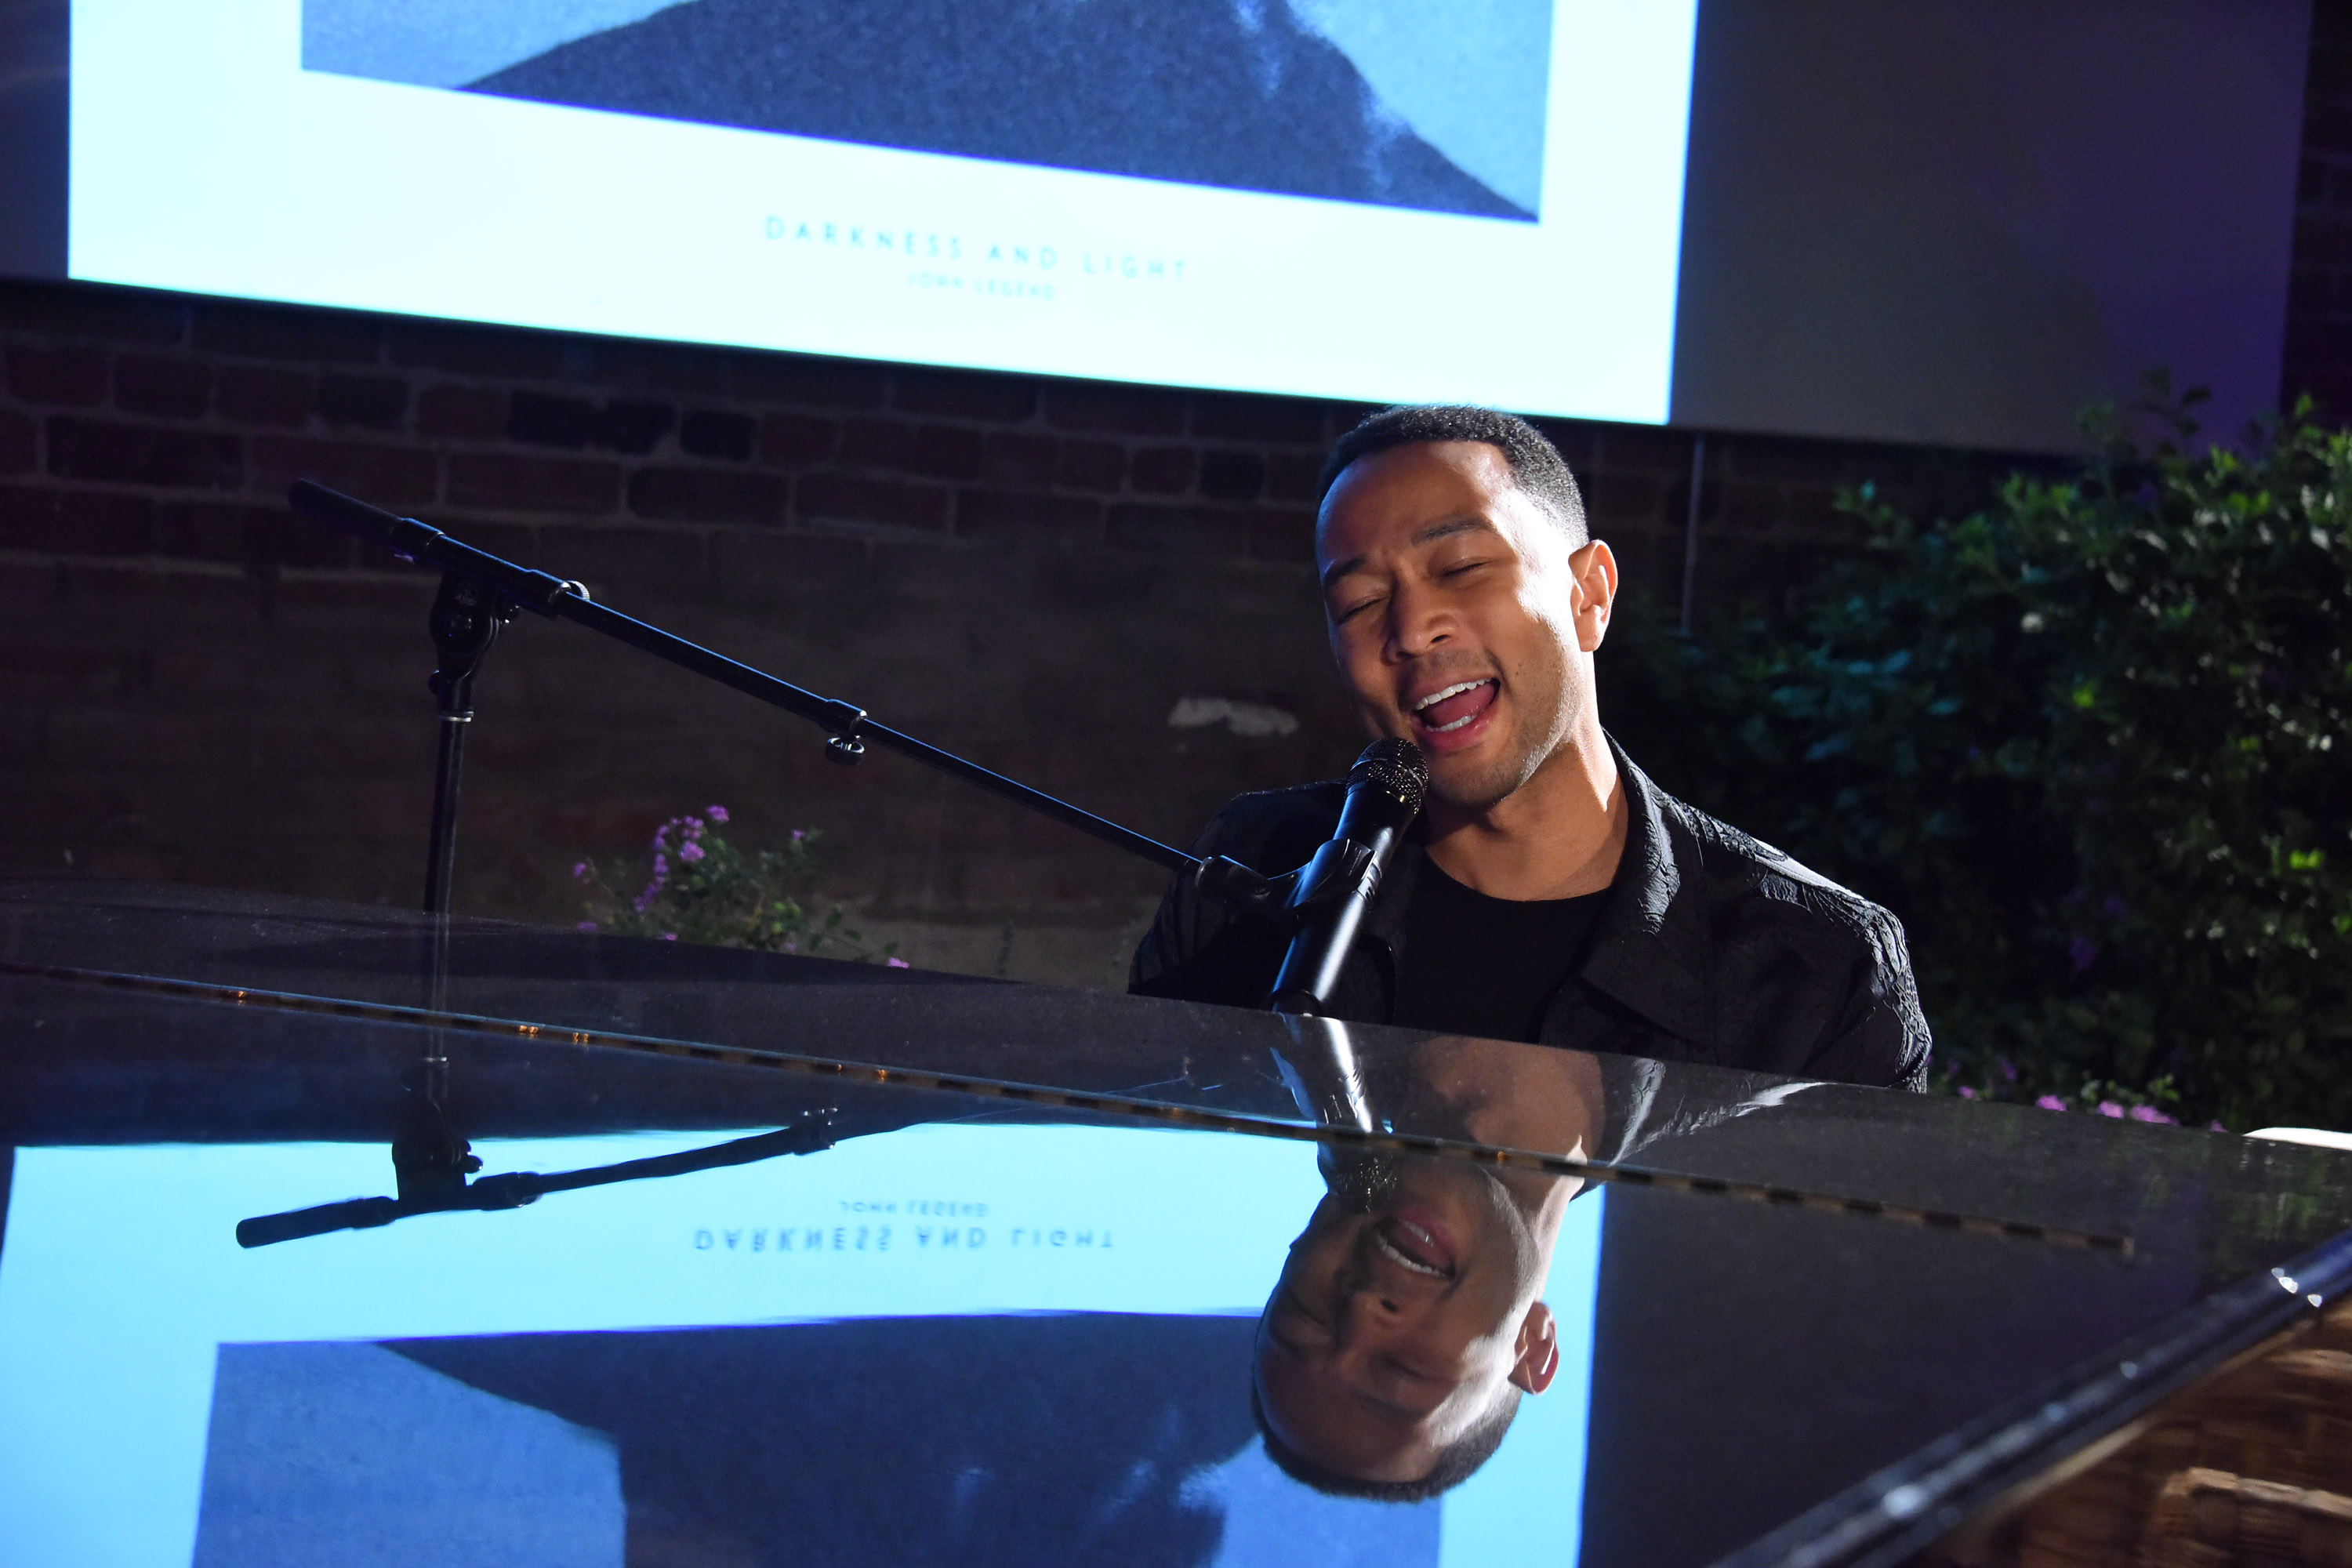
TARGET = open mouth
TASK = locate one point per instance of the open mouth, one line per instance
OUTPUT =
(1455, 708)
(1415, 1246)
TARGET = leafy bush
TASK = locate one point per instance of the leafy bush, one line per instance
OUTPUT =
(2091, 745)
(701, 889)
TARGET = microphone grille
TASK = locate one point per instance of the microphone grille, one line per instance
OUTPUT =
(1396, 768)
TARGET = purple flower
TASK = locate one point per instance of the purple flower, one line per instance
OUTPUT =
(2008, 1071)
(661, 866)
(1967, 1093)
(2217, 1127)
(716, 813)
(2051, 1103)
(2151, 1113)
(2082, 952)
(690, 852)
(2109, 1108)
(896, 964)
(670, 936)
(798, 836)
(587, 925)
(580, 872)
(792, 947)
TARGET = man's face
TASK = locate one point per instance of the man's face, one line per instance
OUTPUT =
(1460, 617)
(1399, 1317)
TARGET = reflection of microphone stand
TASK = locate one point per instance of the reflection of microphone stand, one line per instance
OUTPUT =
(443, 1189)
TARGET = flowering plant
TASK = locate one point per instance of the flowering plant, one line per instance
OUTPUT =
(701, 888)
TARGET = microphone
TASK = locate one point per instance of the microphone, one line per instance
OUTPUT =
(1335, 888)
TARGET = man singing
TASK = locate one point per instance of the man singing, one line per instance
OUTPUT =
(1549, 891)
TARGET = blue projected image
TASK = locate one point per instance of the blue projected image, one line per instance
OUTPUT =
(1364, 100)
(707, 1357)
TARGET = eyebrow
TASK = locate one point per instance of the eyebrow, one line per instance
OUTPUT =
(1435, 531)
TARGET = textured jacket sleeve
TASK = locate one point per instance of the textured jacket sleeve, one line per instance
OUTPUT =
(1880, 1036)
(1201, 949)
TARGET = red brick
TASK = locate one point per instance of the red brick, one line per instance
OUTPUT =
(59, 378)
(1280, 533)
(707, 495)
(633, 425)
(632, 561)
(477, 351)
(264, 395)
(2312, 294)
(1115, 410)
(75, 522)
(144, 453)
(465, 413)
(770, 565)
(795, 440)
(1616, 500)
(1291, 475)
(540, 419)
(964, 395)
(1180, 529)
(287, 332)
(2322, 242)
(1578, 441)
(1232, 476)
(369, 402)
(16, 442)
(751, 376)
(1098, 466)
(505, 481)
(934, 451)
(381, 473)
(151, 384)
(1013, 458)
(837, 497)
(1643, 449)
(1235, 416)
(262, 538)
(1008, 515)
(1162, 470)
(718, 432)
(89, 311)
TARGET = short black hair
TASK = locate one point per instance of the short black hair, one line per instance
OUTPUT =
(1537, 467)
(1459, 1460)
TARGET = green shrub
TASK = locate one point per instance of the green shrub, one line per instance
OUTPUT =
(2091, 745)
(700, 888)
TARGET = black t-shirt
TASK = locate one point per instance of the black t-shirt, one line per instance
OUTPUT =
(1477, 965)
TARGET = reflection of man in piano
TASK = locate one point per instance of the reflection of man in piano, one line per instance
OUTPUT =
(1409, 1322)
(1549, 891)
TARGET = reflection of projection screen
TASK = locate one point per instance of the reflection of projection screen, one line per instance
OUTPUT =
(1363, 198)
(167, 1397)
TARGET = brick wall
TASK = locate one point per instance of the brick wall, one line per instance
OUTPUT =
(2319, 357)
(201, 686)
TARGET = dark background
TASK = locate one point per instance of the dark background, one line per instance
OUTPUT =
(195, 686)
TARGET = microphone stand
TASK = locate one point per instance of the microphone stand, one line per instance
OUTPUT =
(811, 1133)
(500, 587)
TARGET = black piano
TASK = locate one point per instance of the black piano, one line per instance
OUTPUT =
(330, 1240)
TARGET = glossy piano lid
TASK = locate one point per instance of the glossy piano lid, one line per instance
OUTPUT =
(788, 1360)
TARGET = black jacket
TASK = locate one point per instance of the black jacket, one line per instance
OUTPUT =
(1712, 948)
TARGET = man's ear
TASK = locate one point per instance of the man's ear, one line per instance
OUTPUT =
(1594, 570)
(1539, 1349)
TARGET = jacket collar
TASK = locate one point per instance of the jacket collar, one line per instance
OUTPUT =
(1649, 950)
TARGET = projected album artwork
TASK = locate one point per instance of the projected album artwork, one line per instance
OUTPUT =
(1384, 101)
(1072, 1439)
